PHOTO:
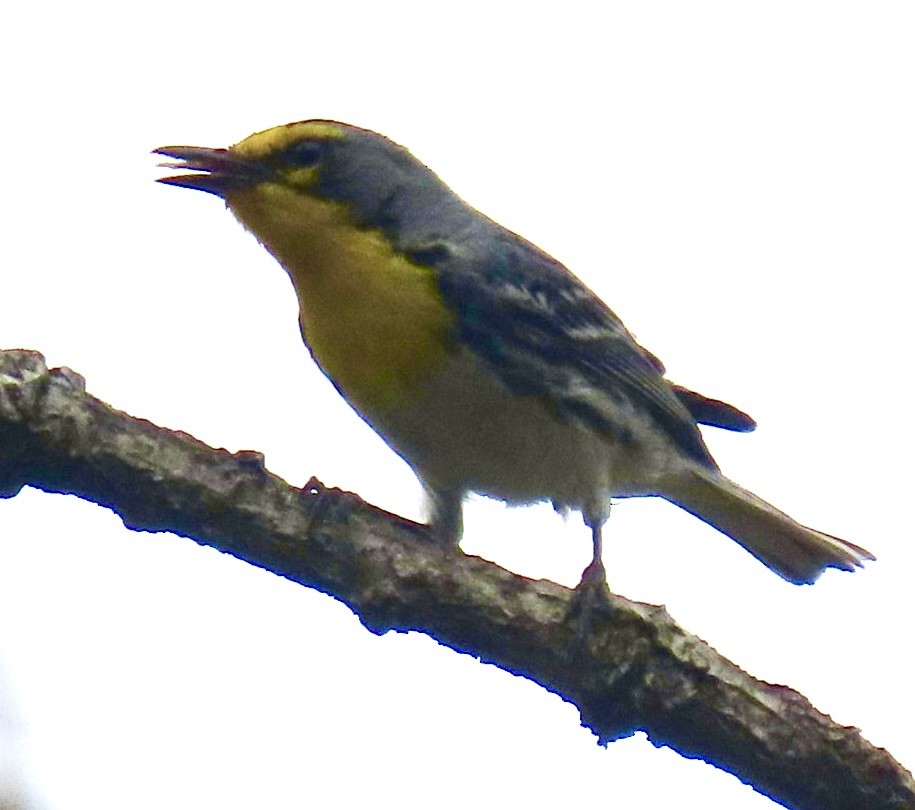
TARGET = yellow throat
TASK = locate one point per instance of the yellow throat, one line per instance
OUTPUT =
(374, 320)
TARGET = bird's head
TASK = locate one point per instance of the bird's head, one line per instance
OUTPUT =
(328, 161)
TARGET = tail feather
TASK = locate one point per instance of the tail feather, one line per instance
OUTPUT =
(792, 551)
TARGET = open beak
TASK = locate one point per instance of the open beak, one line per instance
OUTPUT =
(215, 171)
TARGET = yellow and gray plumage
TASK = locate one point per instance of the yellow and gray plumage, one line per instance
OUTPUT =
(482, 361)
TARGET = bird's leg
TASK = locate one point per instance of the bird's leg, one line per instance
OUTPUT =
(594, 577)
(443, 507)
(592, 594)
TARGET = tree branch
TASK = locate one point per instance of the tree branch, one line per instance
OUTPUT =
(637, 670)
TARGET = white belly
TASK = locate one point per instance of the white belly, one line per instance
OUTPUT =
(469, 432)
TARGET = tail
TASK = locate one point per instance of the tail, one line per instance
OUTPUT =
(794, 552)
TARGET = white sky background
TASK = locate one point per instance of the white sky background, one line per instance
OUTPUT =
(734, 179)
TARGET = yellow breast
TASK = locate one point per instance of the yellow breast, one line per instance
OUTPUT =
(374, 321)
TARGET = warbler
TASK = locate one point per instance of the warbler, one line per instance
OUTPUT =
(482, 361)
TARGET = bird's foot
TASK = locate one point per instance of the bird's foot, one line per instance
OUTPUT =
(590, 599)
(594, 578)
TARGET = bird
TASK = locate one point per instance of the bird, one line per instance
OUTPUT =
(485, 363)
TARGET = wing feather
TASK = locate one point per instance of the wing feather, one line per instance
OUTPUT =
(543, 332)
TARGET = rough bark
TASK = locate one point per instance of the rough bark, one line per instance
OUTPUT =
(635, 670)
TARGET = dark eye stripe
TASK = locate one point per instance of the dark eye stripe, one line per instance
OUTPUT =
(305, 153)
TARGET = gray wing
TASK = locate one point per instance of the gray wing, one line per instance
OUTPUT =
(543, 332)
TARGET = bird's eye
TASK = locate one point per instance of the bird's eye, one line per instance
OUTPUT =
(306, 153)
